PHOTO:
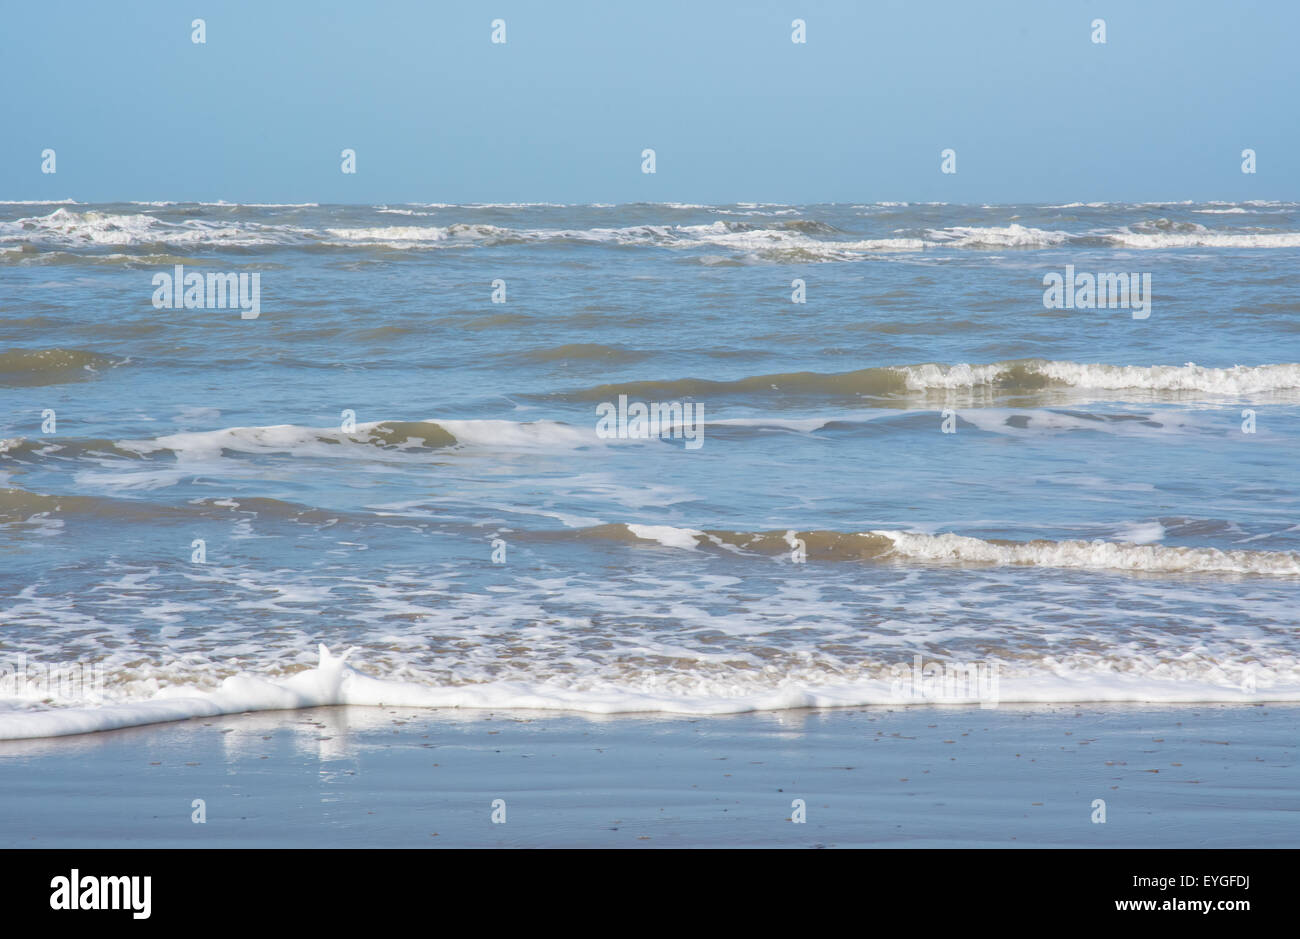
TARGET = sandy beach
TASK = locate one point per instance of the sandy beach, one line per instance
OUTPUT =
(1213, 776)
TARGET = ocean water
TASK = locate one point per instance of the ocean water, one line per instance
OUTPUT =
(922, 471)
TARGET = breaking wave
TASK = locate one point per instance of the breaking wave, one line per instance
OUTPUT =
(884, 545)
(1011, 376)
(774, 240)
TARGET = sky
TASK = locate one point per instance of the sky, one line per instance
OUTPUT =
(735, 111)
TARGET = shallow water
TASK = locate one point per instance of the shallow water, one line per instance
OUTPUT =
(1098, 525)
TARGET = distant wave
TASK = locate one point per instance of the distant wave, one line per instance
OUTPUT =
(32, 367)
(21, 505)
(1092, 555)
(1013, 375)
(41, 202)
(1010, 236)
(1205, 239)
(1237, 380)
(18, 505)
(297, 440)
(772, 240)
(1019, 236)
(889, 386)
(886, 545)
(63, 228)
(397, 437)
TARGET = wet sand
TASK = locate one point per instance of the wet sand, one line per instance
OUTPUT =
(1188, 776)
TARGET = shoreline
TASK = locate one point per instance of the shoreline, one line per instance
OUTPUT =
(919, 776)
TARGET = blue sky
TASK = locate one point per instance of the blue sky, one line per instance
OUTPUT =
(735, 111)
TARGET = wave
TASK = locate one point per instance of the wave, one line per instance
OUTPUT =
(774, 240)
(294, 439)
(1191, 236)
(1205, 239)
(891, 386)
(332, 682)
(385, 439)
(17, 505)
(40, 202)
(31, 367)
(1090, 555)
(31, 255)
(883, 545)
(1010, 236)
(21, 505)
(1018, 375)
(63, 228)
(417, 235)
(1237, 380)
(25, 449)
(412, 437)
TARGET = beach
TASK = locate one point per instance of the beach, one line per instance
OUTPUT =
(963, 524)
(1212, 776)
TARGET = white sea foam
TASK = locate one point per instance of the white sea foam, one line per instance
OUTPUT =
(393, 234)
(1020, 236)
(1090, 555)
(334, 682)
(302, 441)
(514, 205)
(406, 236)
(777, 243)
(63, 228)
(223, 204)
(1010, 236)
(667, 535)
(1146, 532)
(1204, 239)
(1237, 380)
(784, 241)
(1036, 421)
(1138, 553)
(518, 434)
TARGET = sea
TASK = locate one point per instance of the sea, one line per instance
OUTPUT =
(683, 458)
